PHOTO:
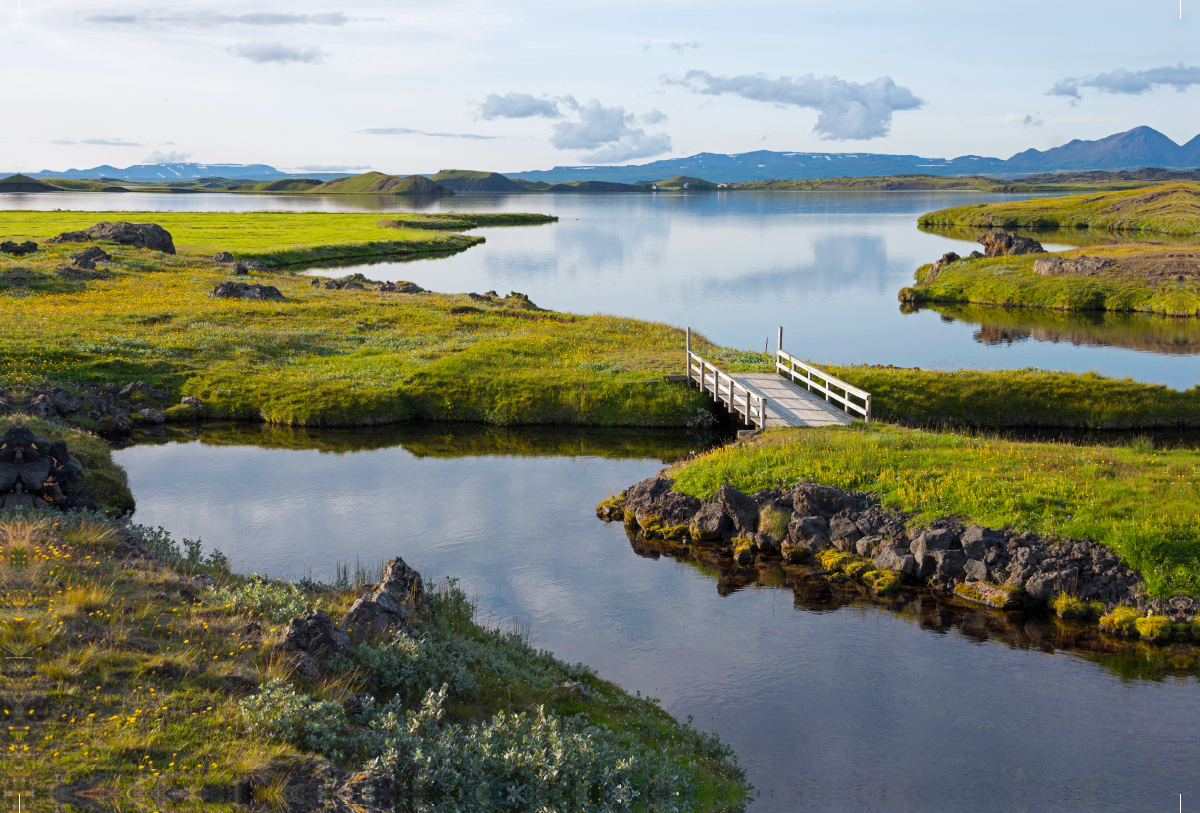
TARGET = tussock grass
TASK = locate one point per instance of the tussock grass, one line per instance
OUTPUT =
(1140, 502)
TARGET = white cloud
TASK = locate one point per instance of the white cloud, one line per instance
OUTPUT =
(264, 52)
(172, 157)
(680, 47)
(110, 142)
(1133, 83)
(655, 116)
(213, 19)
(848, 110)
(608, 132)
(518, 106)
(407, 131)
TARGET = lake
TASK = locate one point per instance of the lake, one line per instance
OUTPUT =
(832, 706)
(735, 265)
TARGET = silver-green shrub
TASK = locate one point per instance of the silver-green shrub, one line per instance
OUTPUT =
(318, 725)
(278, 600)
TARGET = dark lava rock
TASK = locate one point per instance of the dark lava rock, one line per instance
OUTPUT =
(387, 606)
(947, 258)
(814, 498)
(36, 473)
(315, 633)
(242, 290)
(741, 508)
(222, 257)
(810, 533)
(844, 533)
(139, 235)
(90, 256)
(647, 492)
(1009, 244)
(246, 266)
(18, 249)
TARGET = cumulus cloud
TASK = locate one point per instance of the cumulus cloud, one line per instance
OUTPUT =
(110, 142)
(213, 19)
(407, 131)
(265, 52)
(848, 110)
(609, 133)
(172, 157)
(1134, 83)
(655, 116)
(518, 106)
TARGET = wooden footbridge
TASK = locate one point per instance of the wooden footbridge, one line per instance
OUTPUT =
(796, 394)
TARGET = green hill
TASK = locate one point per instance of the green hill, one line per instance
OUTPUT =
(467, 180)
(376, 183)
(595, 186)
(287, 185)
(681, 181)
(23, 183)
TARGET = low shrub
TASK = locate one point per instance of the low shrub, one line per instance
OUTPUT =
(1154, 628)
(316, 725)
(276, 600)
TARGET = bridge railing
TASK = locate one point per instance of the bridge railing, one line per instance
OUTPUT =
(725, 389)
(849, 397)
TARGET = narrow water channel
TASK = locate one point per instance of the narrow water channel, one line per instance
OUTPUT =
(831, 706)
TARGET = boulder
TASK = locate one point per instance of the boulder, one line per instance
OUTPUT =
(139, 235)
(18, 249)
(90, 256)
(386, 606)
(867, 545)
(242, 290)
(844, 533)
(152, 415)
(401, 287)
(1045, 586)
(950, 564)
(1009, 244)
(37, 473)
(246, 266)
(710, 523)
(813, 498)
(947, 258)
(933, 539)
(741, 509)
(402, 583)
(647, 492)
(222, 257)
(304, 666)
(890, 558)
(975, 570)
(315, 633)
(976, 542)
(1082, 265)
(810, 533)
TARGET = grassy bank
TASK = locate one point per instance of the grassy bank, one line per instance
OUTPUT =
(1137, 500)
(333, 357)
(1140, 278)
(274, 238)
(1172, 209)
(129, 686)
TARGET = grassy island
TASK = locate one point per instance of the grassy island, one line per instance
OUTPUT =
(1136, 499)
(143, 672)
(1144, 276)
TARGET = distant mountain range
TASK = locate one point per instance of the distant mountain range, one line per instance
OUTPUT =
(1139, 147)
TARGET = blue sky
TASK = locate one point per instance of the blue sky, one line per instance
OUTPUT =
(418, 86)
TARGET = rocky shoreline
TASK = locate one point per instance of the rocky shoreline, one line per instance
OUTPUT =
(855, 541)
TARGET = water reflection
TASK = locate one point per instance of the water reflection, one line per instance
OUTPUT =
(1136, 331)
(1054, 239)
(833, 702)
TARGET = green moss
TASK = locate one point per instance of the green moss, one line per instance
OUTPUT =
(1070, 607)
(887, 583)
(833, 559)
(180, 413)
(858, 568)
(993, 595)
(1121, 621)
(1154, 628)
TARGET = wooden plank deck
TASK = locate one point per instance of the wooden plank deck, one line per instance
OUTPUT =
(789, 404)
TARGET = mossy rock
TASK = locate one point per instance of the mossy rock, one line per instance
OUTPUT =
(858, 568)
(699, 535)
(180, 413)
(1154, 628)
(887, 583)
(833, 559)
(675, 532)
(996, 596)
(1121, 621)
(1071, 607)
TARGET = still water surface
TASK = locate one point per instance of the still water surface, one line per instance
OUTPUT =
(826, 266)
(831, 708)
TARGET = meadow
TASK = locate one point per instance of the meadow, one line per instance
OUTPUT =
(130, 685)
(1139, 500)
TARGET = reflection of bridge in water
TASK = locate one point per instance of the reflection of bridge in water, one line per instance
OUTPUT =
(796, 394)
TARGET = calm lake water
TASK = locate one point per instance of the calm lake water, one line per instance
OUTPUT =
(734, 266)
(831, 708)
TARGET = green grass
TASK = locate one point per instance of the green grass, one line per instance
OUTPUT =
(1171, 209)
(1139, 502)
(1012, 282)
(275, 238)
(121, 686)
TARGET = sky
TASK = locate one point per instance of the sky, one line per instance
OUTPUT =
(405, 87)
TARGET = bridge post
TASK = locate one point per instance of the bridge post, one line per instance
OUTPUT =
(687, 355)
(779, 341)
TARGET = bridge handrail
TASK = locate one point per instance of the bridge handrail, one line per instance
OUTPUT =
(725, 387)
(787, 364)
